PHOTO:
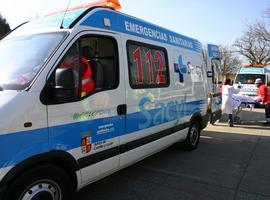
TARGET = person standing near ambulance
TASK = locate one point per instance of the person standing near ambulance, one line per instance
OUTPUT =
(227, 103)
(264, 97)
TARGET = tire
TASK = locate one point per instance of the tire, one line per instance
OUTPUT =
(44, 182)
(193, 138)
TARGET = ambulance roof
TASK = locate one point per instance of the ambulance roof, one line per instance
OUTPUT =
(119, 22)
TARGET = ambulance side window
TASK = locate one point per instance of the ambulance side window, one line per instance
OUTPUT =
(91, 65)
(148, 66)
(102, 54)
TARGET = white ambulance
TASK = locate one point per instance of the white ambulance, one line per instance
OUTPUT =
(89, 91)
(247, 75)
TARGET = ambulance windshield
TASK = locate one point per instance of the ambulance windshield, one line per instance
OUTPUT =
(22, 57)
(249, 78)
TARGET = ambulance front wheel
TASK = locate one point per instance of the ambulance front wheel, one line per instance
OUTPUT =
(45, 182)
(193, 137)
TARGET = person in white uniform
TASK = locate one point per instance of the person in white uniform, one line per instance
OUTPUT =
(227, 103)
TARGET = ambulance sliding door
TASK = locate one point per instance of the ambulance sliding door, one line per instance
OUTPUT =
(147, 79)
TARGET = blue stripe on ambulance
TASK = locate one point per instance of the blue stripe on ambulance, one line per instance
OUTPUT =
(123, 23)
(162, 114)
(68, 136)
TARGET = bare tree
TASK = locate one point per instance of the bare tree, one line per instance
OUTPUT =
(254, 46)
(255, 43)
(230, 62)
(262, 31)
(267, 13)
(4, 26)
(261, 28)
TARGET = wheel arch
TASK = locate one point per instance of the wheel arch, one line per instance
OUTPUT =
(60, 159)
(197, 117)
(203, 119)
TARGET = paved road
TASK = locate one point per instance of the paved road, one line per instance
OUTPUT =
(230, 163)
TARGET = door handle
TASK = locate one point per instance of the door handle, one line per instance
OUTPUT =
(122, 109)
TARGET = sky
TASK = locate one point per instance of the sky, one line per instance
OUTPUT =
(209, 21)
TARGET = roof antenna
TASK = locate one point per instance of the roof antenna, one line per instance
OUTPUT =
(62, 23)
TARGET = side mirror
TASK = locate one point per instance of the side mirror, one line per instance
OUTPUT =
(64, 84)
